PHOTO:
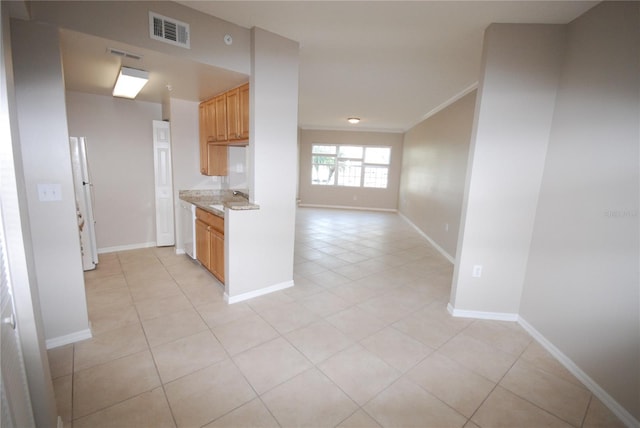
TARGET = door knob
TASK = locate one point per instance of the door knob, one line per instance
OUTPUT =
(11, 320)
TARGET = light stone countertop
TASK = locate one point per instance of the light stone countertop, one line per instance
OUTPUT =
(222, 198)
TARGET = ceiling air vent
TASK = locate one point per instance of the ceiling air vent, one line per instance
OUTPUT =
(124, 54)
(169, 30)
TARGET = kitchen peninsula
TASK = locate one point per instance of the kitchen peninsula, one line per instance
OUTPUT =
(207, 221)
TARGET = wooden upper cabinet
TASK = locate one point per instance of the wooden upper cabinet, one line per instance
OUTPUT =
(213, 160)
(233, 114)
(221, 117)
(204, 136)
(238, 114)
(244, 112)
(217, 159)
(224, 121)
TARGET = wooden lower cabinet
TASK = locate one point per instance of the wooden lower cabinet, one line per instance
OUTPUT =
(203, 243)
(217, 254)
(210, 242)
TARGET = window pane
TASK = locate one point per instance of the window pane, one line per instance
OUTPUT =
(353, 152)
(379, 155)
(349, 173)
(325, 160)
(323, 174)
(324, 150)
(376, 176)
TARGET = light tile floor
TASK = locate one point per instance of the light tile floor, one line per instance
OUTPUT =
(363, 340)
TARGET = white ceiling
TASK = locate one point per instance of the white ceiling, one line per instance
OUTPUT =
(390, 63)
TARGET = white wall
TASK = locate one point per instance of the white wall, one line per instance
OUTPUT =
(581, 290)
(358, 197)
(238, 174)
(42, 123)
(434, 168)
(260, 242)
(516, 97)
(120, 152)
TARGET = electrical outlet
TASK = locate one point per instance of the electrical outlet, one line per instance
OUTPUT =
(477, 271)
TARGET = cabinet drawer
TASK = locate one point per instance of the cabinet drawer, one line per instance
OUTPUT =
(212, 220)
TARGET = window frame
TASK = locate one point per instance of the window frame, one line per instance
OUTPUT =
(335, 182)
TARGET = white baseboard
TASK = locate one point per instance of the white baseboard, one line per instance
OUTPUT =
(346, 207)
(180, 251)
(428, 238)
(256, 293)
(497, 316)
(627, 418)
(126, 247)
(68, 338)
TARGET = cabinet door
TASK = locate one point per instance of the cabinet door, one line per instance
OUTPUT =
(203, 243)
(217, 254)
(233, 114)
(202, 116)
(211, 119)
(217, 159)
(221, 117)
(243, 127)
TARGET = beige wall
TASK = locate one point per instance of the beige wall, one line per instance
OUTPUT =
(128, 22)
(516, 97)
(581, 289)
(19, 251)
(120, 152)
(259, 243)
(356, 197)
(434, 167)
(46, 159)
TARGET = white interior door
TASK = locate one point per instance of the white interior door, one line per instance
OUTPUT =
(84, 203)
(165, 234)
(16, 404)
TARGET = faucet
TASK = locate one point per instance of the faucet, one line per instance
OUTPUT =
(239, 193)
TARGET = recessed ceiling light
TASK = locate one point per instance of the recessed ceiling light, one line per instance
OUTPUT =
(353, 120)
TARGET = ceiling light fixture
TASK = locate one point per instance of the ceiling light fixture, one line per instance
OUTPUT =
(130, 82)
(353, 120)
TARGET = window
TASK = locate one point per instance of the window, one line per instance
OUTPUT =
(350, 166)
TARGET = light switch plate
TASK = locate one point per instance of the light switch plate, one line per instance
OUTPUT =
(49, 192)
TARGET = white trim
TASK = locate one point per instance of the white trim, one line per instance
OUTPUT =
(256, 293)
(626, 417)
(126, 247)
(180, 251)
(346, 207)
(69, 338)
(445, 104)
(431, 241)
(497, 316)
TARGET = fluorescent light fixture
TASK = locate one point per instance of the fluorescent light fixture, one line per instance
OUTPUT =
(130, 81)
(353, 120)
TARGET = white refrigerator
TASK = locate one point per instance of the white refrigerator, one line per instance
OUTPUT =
(84, 202)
